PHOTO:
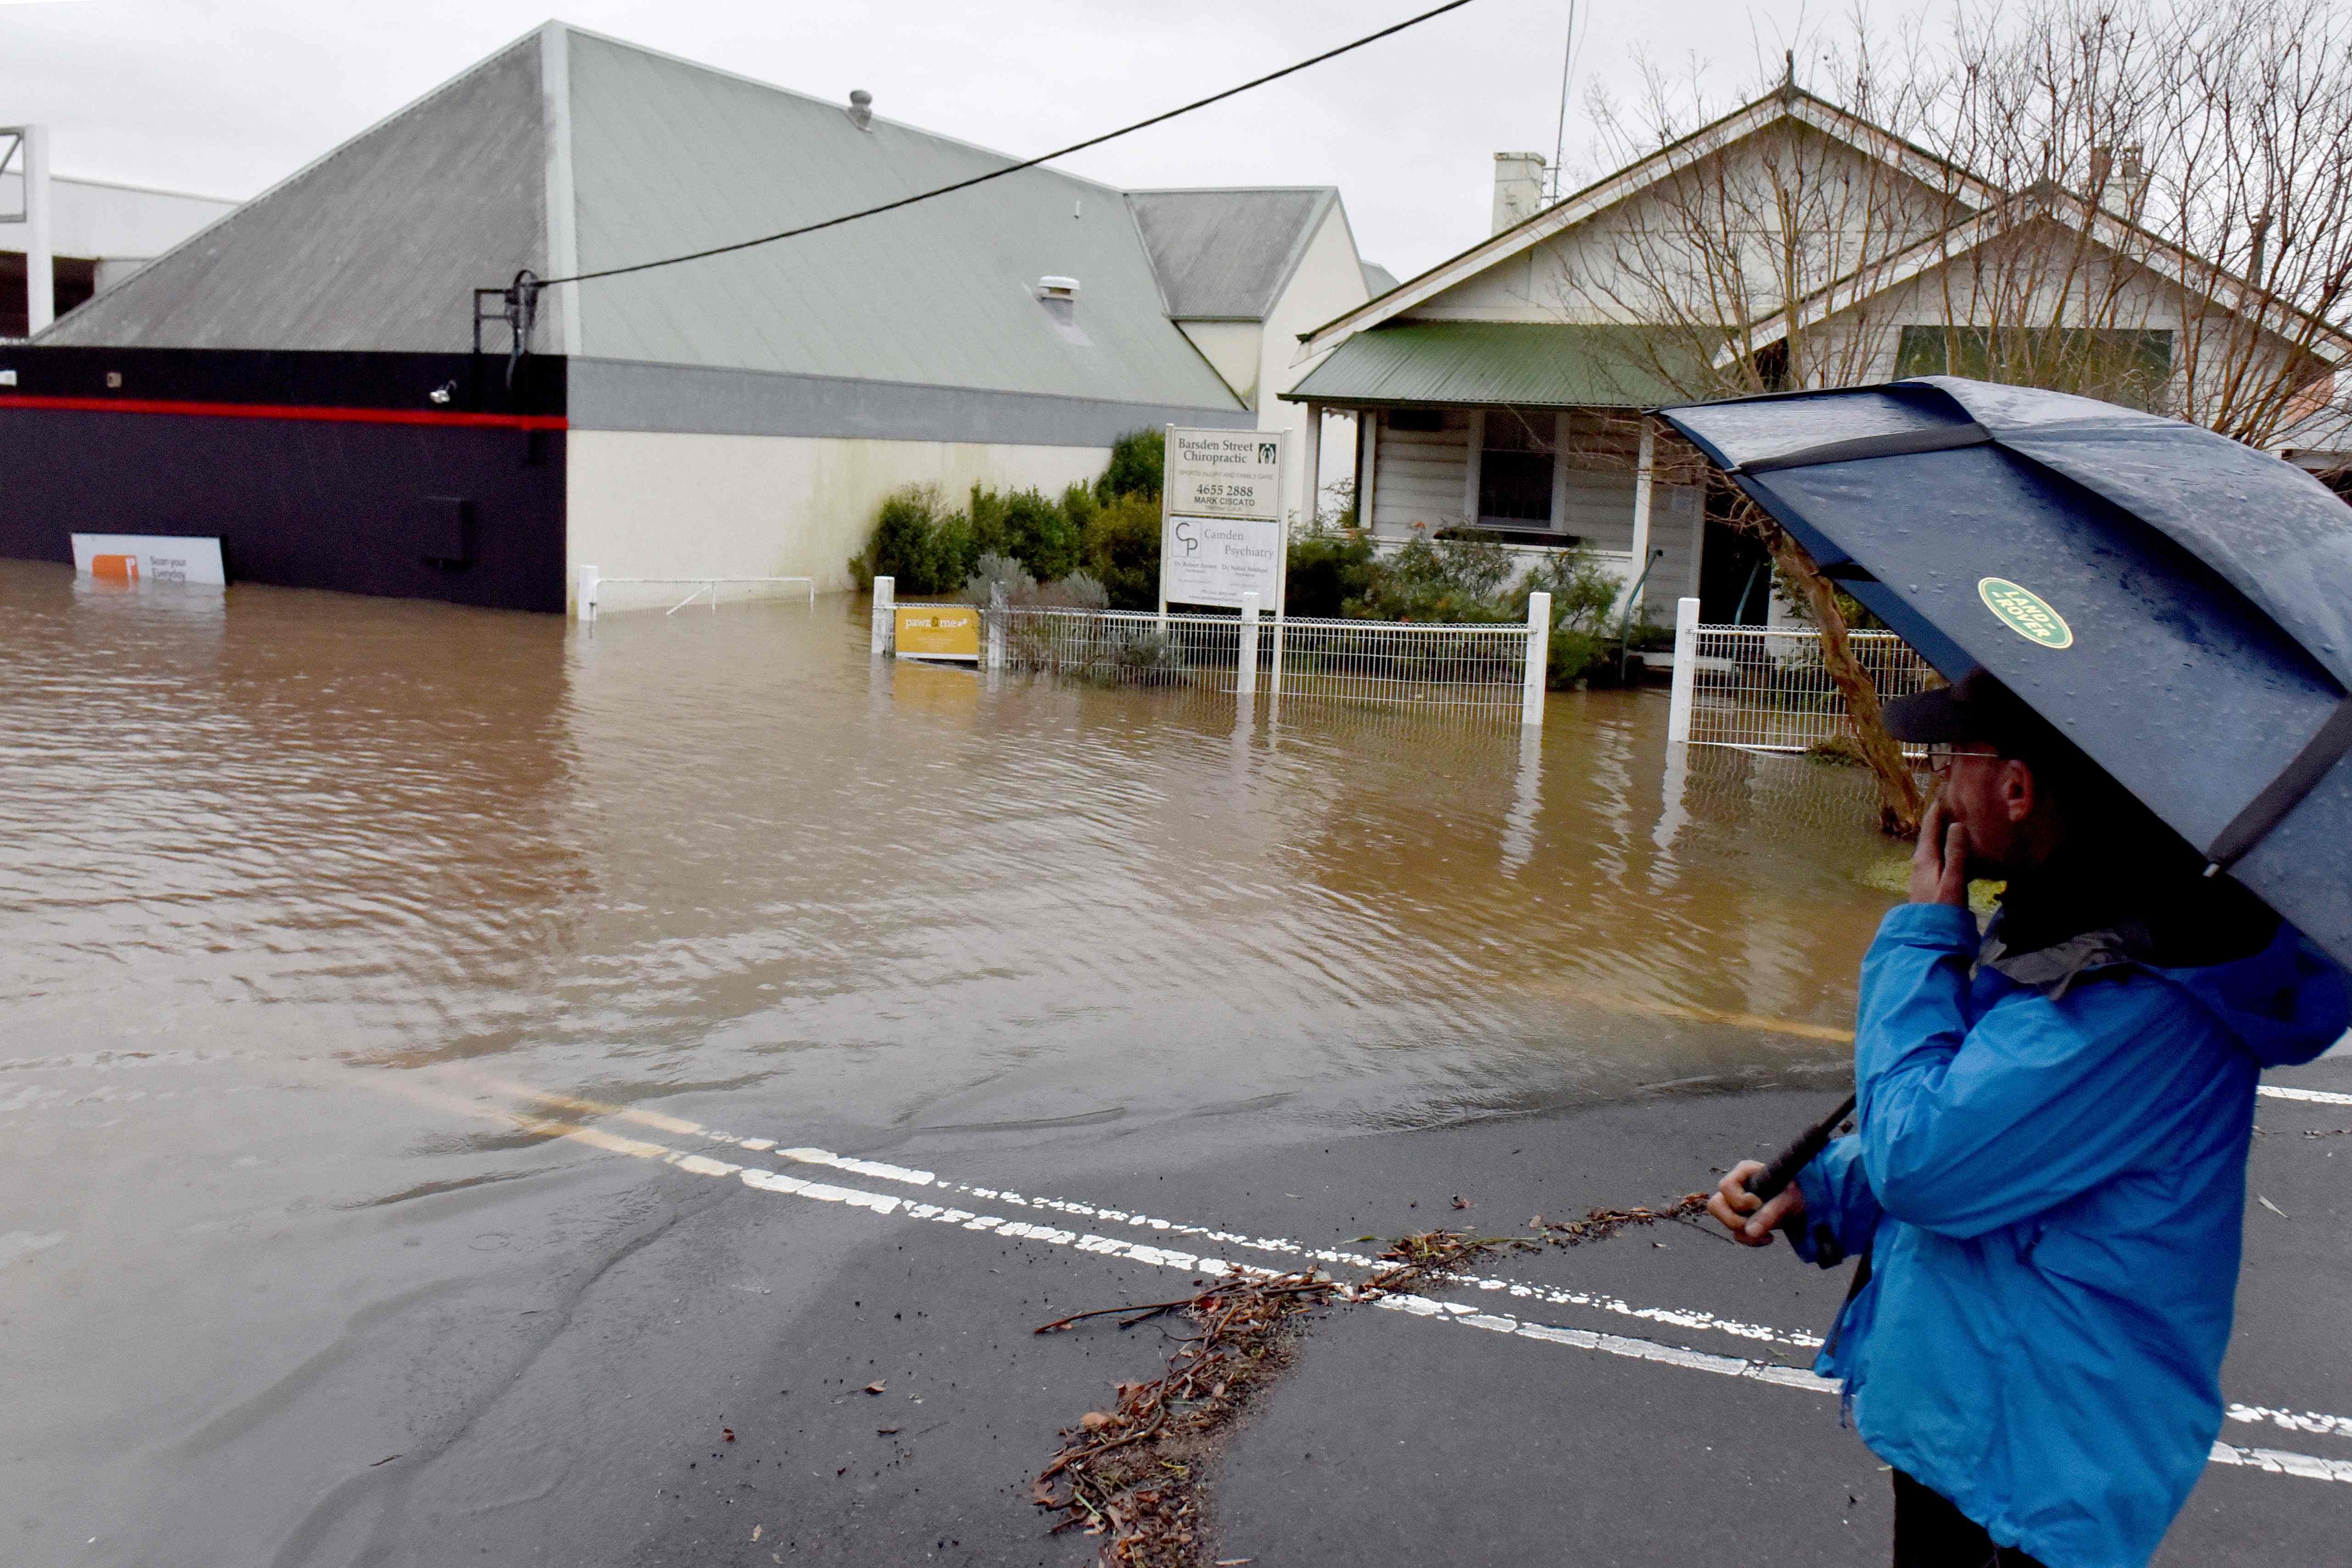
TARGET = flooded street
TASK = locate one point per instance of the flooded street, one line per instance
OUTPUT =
(338, 838)
(311, 904)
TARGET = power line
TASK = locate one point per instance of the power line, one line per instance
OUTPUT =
(1012, 169)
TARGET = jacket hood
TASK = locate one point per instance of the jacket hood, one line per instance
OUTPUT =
(2287, 1003)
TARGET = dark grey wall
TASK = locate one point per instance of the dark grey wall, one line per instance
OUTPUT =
(353, 504)
(616, 394)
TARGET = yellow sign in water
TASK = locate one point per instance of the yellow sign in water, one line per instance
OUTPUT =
(938, 631)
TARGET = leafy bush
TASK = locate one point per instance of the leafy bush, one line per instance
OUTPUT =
(1122, 551)
(1451, 581)
(926, 549)
(993, 572)
(1327, 569)
(1075, 592)
(1040, 535)
(987, 515)
(1582, 594)
(1139, 465)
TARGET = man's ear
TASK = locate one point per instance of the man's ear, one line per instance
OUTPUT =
(2019, 790)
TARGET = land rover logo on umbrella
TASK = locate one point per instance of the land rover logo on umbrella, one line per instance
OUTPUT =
(2025, 613)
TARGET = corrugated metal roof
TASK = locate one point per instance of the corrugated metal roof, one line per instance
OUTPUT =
(670, 156)
(1226, 255)
(1535, 364)
(378, 245)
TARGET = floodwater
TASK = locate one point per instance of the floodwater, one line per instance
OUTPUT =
(293, 886)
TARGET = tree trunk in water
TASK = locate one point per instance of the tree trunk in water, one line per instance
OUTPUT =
(1898, 790)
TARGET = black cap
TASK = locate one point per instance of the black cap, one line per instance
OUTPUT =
(1979, 710)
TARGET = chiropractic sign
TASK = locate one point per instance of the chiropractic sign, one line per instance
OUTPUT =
(1221, 528)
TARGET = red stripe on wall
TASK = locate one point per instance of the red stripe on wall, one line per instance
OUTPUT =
(290, 411)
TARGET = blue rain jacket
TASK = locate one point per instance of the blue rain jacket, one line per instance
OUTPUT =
(2051, 1189)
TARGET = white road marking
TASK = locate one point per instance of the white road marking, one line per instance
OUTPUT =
(2315, 1096)
(2276, 1461)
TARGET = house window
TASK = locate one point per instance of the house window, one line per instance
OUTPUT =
(1515, 468)
(2114, 365)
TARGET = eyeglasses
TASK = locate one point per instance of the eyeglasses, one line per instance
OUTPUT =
(1941, 754)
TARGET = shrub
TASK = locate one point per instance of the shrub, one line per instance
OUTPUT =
(1582, 594)
(992, 571)
(1121, 547)
(1075, 592)
(1138, 462)
(1040, 535)
(987, 524)
(1449, 581)
(1327, 569)
(926, 549)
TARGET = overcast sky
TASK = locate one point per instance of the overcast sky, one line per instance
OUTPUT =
(223, 97)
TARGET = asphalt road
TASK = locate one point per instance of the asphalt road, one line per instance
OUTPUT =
(576, 1408)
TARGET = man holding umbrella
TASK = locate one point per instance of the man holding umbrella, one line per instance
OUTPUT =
(2149, 739)
(2048, 1177)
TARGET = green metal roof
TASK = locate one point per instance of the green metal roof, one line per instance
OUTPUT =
(1526, 363)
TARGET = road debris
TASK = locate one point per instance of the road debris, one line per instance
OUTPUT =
(1132, 1473)
(1600, 1224)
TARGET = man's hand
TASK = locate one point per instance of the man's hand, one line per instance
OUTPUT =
(1940, 866)
(1748, 1217)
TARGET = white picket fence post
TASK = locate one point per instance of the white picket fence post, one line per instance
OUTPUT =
(886, 607)
(586, 607)
(996, 607)
(1531, 692)
(1686, 687)
(1245, 665)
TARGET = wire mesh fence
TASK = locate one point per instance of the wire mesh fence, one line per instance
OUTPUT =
(1474, 667)
(1766, 689)
(1479, 669)
(1121, 647)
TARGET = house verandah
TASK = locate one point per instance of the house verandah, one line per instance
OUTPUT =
(1534, 435)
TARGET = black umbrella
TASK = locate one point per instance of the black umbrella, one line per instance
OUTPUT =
(2179, 604)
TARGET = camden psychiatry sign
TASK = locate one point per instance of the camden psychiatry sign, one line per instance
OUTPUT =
(1222, 531)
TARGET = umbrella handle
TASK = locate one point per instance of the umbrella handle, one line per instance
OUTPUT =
(1774, 1178)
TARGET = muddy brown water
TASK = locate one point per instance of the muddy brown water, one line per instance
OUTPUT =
(290, 881)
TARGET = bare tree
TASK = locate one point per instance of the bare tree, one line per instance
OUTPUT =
(2149, 206)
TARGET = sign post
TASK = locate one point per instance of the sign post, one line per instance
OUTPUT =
(1224, 536)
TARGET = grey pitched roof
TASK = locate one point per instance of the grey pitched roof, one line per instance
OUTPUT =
(668, 156)
(1224, 255)
(1378, 279)
(380, 243)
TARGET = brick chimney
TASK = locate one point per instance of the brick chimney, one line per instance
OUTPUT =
(1519, 188)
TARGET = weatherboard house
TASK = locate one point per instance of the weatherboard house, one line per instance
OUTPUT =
(306, 377)
(1503, 389)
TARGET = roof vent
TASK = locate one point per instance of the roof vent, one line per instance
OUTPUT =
(861, 108)
(1059, 296)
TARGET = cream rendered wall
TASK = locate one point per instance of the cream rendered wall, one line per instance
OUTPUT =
(1231, 349)
(1329, 282)
(653, 504)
